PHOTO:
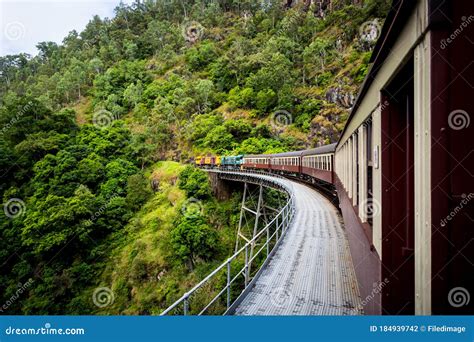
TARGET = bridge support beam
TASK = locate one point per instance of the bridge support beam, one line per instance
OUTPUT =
(253, 205)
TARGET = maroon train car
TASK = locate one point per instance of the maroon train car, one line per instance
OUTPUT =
(319, 163)
(312, 165)
(289, 162)
(260, 161)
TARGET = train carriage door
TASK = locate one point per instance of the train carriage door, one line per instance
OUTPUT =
(397, 150)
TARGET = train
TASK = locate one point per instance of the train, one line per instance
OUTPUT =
(314, 165)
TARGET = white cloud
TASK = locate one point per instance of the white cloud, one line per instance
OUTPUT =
(24, 23)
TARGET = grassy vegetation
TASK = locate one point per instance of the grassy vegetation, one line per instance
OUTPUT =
(96, 132)
(142, 270)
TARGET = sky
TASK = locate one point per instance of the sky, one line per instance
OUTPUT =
(24, 23)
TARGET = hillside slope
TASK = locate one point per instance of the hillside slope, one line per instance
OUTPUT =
(86, 125)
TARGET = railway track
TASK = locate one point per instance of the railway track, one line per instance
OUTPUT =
(312, 272)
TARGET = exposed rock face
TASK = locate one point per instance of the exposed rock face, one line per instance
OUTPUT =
(340, 97)
(321, 7)
(155, 184)
(221, 189)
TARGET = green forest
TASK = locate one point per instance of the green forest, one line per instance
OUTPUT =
(97, 135)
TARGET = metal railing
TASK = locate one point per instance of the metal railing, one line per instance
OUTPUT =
(237, 272)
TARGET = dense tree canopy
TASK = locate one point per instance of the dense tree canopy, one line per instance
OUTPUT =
(84, 124)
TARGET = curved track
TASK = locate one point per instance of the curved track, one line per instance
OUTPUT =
(311, 272)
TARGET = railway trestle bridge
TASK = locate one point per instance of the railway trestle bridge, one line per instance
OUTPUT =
(299, 263)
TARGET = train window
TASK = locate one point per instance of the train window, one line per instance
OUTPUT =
(356, 151)
(369, 165)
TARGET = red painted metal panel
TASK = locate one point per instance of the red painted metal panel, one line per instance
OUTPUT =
(287, 168)
(256, 166)
(316, 173)
(452, 156)
(367, 262)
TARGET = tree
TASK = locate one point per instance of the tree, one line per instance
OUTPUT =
(219, 140)
(54, 221)
(199, 57)
(194, 182)
(138, 190)
(132, 95)
(192, 238)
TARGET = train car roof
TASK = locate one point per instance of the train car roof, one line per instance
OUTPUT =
(286, 154)
(320, 150)
(271, 155)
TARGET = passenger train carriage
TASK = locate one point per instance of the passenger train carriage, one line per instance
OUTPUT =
(316, 163)
(403, 167)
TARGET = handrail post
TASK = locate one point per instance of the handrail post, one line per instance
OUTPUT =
(246, 264)
(276, 229)
(228, 283)
(268, 240)
(186, 305)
